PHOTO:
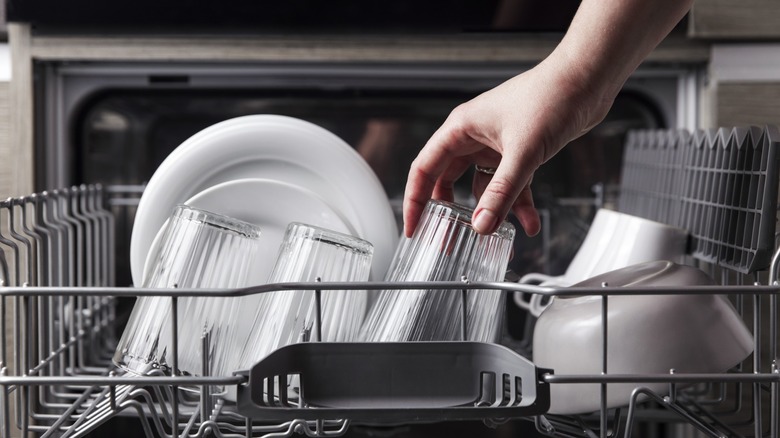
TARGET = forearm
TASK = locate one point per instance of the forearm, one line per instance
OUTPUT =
(608, 39)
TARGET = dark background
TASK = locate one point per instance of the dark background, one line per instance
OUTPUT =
(295, 15)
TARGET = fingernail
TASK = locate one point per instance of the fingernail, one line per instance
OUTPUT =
(485, 221)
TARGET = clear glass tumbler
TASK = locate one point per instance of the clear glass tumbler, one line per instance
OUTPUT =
(444, 247)
(309, 254)
(198, 249)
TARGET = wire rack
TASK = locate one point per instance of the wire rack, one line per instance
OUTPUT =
(719, 184)
(59, 318)
(60, 323)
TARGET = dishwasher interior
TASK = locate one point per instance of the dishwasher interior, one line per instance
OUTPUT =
(60, 320)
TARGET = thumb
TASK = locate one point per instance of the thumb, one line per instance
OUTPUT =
(499, 196)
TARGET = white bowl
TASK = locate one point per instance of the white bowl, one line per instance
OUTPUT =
(615, 240)
(647, 334)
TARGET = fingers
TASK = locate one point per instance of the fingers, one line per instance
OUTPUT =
(443, 189)
(455, 146)
(445, 186)
(526, 212)
(500, 195)
(413, 209)
(434, 173)
(523, 207)
(423, 174)
(440, 162)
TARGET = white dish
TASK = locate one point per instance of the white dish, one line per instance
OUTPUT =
(647, 334)
(271, 147)
(615, 240)
(271, 205)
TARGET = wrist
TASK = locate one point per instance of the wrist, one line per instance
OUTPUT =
(588, 93)
(608, 39)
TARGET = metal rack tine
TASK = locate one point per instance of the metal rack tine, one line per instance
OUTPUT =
(84, 237)
(69, 252)
(90, 206)
(50, 219)
(28, 207)
(15, 222)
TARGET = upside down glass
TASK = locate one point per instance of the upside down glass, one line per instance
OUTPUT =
(198, 249)
(444, 247)
(310, 254)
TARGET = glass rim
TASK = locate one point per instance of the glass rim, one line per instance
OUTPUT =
(326, 235)
(221, 221)
(463, 214)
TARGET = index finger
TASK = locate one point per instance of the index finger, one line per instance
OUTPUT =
(431, 164)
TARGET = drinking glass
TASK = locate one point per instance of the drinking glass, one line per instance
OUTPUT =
(309, 254)
(198, 249)
(444, 247)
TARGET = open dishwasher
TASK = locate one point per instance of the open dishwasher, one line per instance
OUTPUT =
(59, 318)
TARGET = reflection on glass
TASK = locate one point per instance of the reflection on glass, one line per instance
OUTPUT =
(444, 247)
(197, 249)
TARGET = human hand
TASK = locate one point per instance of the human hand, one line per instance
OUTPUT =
(514, 128)
(523, 122)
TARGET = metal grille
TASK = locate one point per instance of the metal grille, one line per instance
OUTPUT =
(720, 185)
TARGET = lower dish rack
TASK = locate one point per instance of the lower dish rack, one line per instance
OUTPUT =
(73, 389)
(60, 324)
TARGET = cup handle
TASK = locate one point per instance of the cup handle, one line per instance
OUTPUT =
(526, 301)
(535, 278)
(537, 304)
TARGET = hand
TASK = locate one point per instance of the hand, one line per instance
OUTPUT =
(523, 122)
(515, 128)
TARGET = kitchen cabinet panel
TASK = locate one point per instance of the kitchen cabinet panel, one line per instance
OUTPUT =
(6, 176)
(735, 19)
(748, 103)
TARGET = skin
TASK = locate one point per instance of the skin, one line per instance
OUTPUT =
(519, 125)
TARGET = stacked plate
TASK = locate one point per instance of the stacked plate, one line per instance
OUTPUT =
(268, 170)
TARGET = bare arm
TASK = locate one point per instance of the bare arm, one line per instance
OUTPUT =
(522, 123)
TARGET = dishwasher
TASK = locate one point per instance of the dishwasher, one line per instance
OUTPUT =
(61, 326)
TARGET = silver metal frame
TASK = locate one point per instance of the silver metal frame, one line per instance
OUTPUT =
(66, 86)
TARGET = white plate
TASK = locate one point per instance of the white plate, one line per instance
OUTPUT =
(269, 204)
(270, 147)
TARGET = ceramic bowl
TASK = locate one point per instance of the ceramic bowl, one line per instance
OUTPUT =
(647, 334)
(615, 240)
